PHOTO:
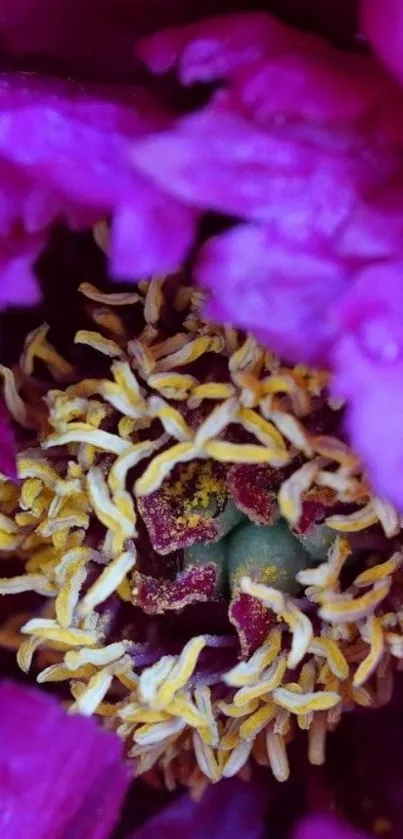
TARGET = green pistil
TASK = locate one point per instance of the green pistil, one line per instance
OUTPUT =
(270, 554)
(317, 541)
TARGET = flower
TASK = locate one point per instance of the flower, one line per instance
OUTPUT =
(194, 539)
(193, 553)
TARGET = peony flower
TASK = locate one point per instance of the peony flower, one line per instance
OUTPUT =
(199, 539)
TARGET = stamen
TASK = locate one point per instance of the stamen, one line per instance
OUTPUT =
(373, 659)
(277, 756)
(107, 582)
(97, 342)
(357, 609)
(127, 298)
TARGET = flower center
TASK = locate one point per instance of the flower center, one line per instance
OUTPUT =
(205, 565)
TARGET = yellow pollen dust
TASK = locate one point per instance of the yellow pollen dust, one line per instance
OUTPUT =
(73, 528)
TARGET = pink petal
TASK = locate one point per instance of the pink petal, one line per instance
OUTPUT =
(383, 24)
(18, 285)
(368, 363)
(151, 234)
(67, 147)
(285, 295)
(300, 177)
(215, 48)
(60, 776)
(325, 827)
(226, 810)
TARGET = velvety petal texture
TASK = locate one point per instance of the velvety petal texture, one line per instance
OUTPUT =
(383, 23)
(228, 809)
(261, 269)
(325, 827)
(368, 362)
(60, 776)
(64, 154)
(302, 146)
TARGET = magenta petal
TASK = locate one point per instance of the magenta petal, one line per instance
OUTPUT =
(150, 235)
(368, 363)
(321, 84)
(226, 810)
(215, 48)
(66, 148)
(325, 827)
(383, 24)
(18, 286)
(294, 176)
(374, 416)
(285, 295)
(60, 776)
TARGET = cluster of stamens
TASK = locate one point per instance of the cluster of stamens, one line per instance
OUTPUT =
(98, 451)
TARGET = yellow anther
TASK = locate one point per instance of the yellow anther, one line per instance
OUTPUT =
(248, 672)
(51, 631)
(153, 301)
(269, 680)
(97, 342)
(331, 651)
(263, 430)
(26, 652)
(13, 400)
(109, 320)
(37, 346)
(107, 582)
(93, 694)
(125, 462)
(374, 657)
(27, 582)
(257, 721)
(175, 386)
(304, 703)
(235, 712)
(83, 433)
(162, 465)
(357, 608)
(245, 453)
(377, 572)
(76, 659)
(60, 673)
(292, 490)
(217, 421)
(212, 390)
(363, 518)
(181, 672)
(293, 431)
(127, 298)
(68, 596)
(277, 756)
(171, 419)
(189, 353)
